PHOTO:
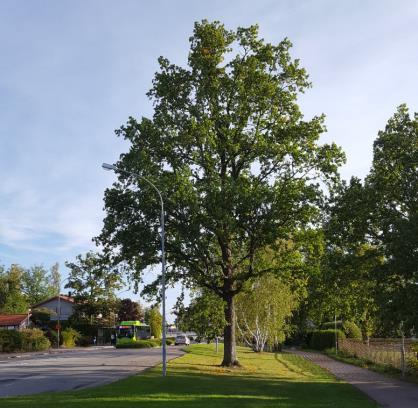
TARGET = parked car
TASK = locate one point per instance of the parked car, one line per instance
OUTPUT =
(182, 339)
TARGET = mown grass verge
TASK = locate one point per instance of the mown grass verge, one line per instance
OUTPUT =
(370, 365)
(196, 380)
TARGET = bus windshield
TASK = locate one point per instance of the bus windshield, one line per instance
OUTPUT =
(126, 331)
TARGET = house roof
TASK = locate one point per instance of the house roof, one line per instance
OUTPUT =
(12, 319)
(63, 298)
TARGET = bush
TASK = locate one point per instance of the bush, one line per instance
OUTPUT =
(323, 339)
(69, 337)
(84, 341)
(23, 340)
(10, 340)
(352, 331)
(34, 340)
(52, 336)
(146, 343)
(138, 344)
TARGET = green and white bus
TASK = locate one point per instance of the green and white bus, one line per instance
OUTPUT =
(130, 331)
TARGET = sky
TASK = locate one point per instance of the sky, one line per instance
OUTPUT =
(71, 72)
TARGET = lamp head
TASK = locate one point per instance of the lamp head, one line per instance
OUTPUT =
(109, 166)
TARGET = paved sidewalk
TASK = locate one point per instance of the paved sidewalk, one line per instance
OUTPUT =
(386, 391)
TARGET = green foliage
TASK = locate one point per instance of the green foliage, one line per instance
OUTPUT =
(155, 321)
(39, 284)
(237, 165)
(331, 325)
(10, 340)
(21, 288)
(70, 337)
(323, 339)
(145, 343)
(372, 236)
(93, 283)
(204, 315)
(12, 300)
(34, 340)
(41, 316)
(23, 340)
(351, 330)
(263, 312)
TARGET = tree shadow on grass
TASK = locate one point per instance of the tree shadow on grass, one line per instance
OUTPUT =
(184, 389)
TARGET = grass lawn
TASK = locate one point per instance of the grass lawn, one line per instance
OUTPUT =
(196, 380)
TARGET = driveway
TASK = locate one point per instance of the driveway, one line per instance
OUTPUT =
(386, 391)
(76, 369)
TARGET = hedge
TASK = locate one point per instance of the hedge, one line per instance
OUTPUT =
(323, 339)
(23, 340)
(146, 343)
(352, 331)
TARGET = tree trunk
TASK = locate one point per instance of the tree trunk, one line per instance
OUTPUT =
(230, 355)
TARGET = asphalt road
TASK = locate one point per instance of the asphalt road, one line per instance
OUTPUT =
(75, 369)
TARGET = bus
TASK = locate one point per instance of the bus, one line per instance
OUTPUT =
(130, 331)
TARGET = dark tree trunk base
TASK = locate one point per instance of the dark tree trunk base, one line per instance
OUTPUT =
(233, 364)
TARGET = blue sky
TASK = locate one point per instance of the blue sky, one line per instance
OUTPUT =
(73, 71)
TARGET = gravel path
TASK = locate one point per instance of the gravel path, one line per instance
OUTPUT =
(386, 391)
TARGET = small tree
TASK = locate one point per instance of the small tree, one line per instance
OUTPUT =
(94, 284)
(130, 310)
(204, 315)
(155, 321)
(263, 310)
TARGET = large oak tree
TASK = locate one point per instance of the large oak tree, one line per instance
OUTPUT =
(237, 164)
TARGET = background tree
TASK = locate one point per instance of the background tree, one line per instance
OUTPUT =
(370, 270)
(204, 315)
(237, 165)
(155, 320)
(264, 309)
(393, 186)
(55, 279)
(12, 300)
(39, 284)
(130, 310)
(94, 285)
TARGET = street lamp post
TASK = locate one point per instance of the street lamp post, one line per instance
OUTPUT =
(114, 168)
(59, 310)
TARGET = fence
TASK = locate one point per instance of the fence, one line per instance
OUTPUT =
(397, 353)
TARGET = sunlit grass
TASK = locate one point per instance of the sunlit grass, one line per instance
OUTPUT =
(197, 380)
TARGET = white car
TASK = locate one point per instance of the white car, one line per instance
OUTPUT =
(182, 339)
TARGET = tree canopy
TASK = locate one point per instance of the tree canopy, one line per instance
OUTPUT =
(237, 164)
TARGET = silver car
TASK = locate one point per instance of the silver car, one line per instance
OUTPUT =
(182, 339)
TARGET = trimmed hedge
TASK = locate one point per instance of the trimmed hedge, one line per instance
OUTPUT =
(146, 343)
(352, 331)
(23, 340)
(323, 339)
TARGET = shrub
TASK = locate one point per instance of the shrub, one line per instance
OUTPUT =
(323, 339)
(10, 340)
(146, 343)
(84, 341)
(34, 340)
(138, 344)
(69, 337)
(351, 330)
